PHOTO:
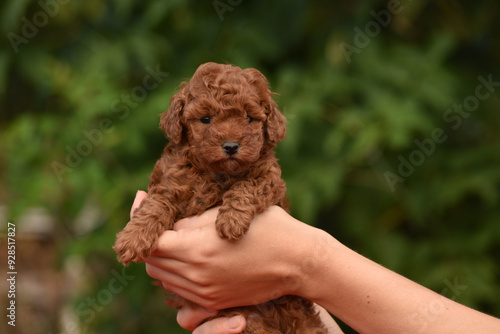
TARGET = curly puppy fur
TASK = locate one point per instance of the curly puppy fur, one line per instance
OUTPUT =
(222, 127)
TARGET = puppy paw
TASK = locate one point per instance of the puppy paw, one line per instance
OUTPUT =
(134, 246)
(232, 224)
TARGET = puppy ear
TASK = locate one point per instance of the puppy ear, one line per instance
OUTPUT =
(275, 124)
(170, 120)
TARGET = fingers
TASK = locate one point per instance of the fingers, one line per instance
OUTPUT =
(170, 279)
(177, 284)
(208, 217)
(187, 232)
(139, 196)
(328, 321)
(189, 243)
(177, 244)
(156, 265)
(191, 315)
(233, 325)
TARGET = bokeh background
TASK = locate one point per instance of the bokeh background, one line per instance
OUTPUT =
(393, 141)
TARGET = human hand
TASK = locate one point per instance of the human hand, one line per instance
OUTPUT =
(273, 259)
(233, 325)
(190, 316)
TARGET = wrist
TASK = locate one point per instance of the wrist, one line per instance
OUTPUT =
(316, 264)
(307, 263)
(298, 255)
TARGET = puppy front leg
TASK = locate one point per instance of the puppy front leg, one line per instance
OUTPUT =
(235, 215)
(246, 199)
(138, 239)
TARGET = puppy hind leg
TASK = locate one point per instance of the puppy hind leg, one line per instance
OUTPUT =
(318, 330)
(256, 322)
(255, 326)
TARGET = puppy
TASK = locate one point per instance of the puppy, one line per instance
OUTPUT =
(222, 127)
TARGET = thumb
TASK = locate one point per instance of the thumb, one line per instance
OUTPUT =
(139, 196)
(233, 325)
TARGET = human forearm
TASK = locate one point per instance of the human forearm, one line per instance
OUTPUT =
(373, 299)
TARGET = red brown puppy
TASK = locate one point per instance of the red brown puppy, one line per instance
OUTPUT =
(222, 127)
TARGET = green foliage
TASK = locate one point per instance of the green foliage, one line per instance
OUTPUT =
(79, 128)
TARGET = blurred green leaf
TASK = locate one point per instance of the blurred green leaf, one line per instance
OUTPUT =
(350, 122)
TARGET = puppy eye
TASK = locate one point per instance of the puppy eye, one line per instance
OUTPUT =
(205, 120)
(250, 119)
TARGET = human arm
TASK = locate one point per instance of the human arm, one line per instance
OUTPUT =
(280, 255)
(191, 316)
(373, 299)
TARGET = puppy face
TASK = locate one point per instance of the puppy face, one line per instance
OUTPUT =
(226, 116)
(226, 134)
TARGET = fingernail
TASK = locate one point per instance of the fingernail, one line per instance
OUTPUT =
(234, 322)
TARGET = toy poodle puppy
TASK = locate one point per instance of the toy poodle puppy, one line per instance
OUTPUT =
(222, 127)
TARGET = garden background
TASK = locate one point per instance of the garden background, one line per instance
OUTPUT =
(393, 140)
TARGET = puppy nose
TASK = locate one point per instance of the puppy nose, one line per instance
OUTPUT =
(230, 147)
